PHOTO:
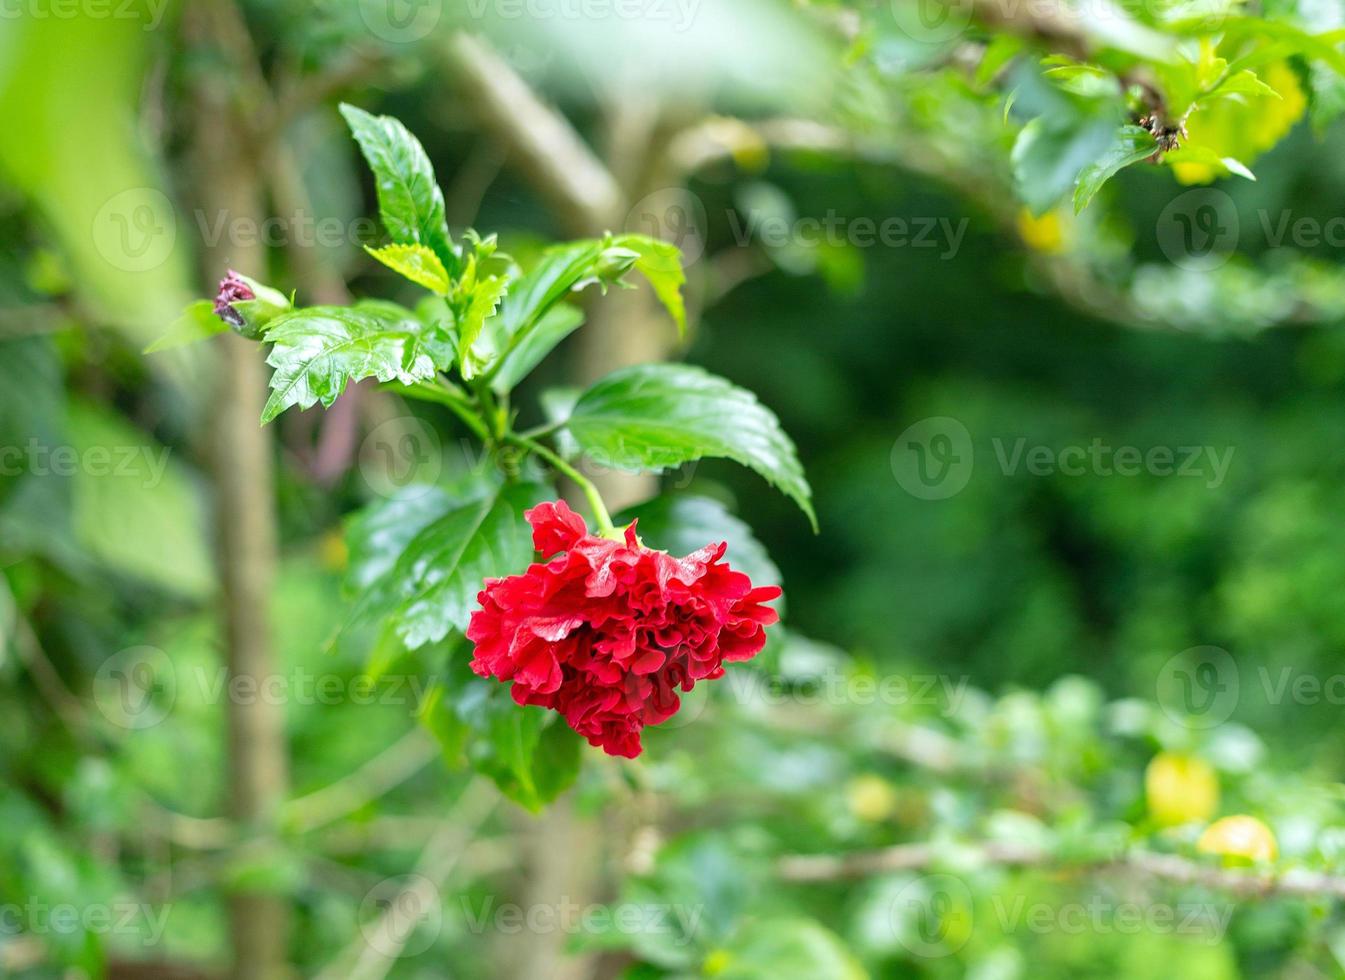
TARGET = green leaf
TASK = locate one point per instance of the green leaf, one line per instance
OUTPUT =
(485, 300)
(530, 753)
(655, 416)
(197, 322)
(435, 581)
(379, 534)
(1048, 156)
(1244, 82)
(134, 509)
(660, 262)
(787, 949)
(410, 202)
(320, 349)
(556, 324)
(998, 53)
(561, 271)
(1133, 144)
(415, 262)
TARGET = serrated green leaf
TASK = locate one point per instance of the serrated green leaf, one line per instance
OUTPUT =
(660, 262)
(435, 581)
(415, 262)
(1132, 145)
(197, 322)
(655, 416)
(410, 203)
(486, 298)
(318, 350)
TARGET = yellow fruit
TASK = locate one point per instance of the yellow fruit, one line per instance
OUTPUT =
(1243, 129)
(1044, 234)
(1180, 789)
(871, 798)
(716, 963)
(332, 551)
(1241, 837)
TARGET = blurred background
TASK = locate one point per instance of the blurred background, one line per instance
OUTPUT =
(1075, 474)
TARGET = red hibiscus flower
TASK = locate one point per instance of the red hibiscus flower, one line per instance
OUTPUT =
(607, 632)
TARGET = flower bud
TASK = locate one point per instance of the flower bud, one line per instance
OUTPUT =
(248, 306)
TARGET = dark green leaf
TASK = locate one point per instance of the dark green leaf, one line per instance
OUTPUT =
(656, 416)
(437, 577)
(409, 199)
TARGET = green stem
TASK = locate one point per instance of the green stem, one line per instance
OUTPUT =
(452, 399)
(604, 520)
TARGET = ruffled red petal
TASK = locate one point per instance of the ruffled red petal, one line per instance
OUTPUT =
(608, 632)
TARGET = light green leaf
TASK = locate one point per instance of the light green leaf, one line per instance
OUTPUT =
(1049, 155)
(320, 349)
(788, 949)
(134, 509)
(1133, 144)
(655, 416)
(485, 300)
(1241, 83)
(197, 322)
(556, 324)
(660, 262)
(410, 202)
(415, 262)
